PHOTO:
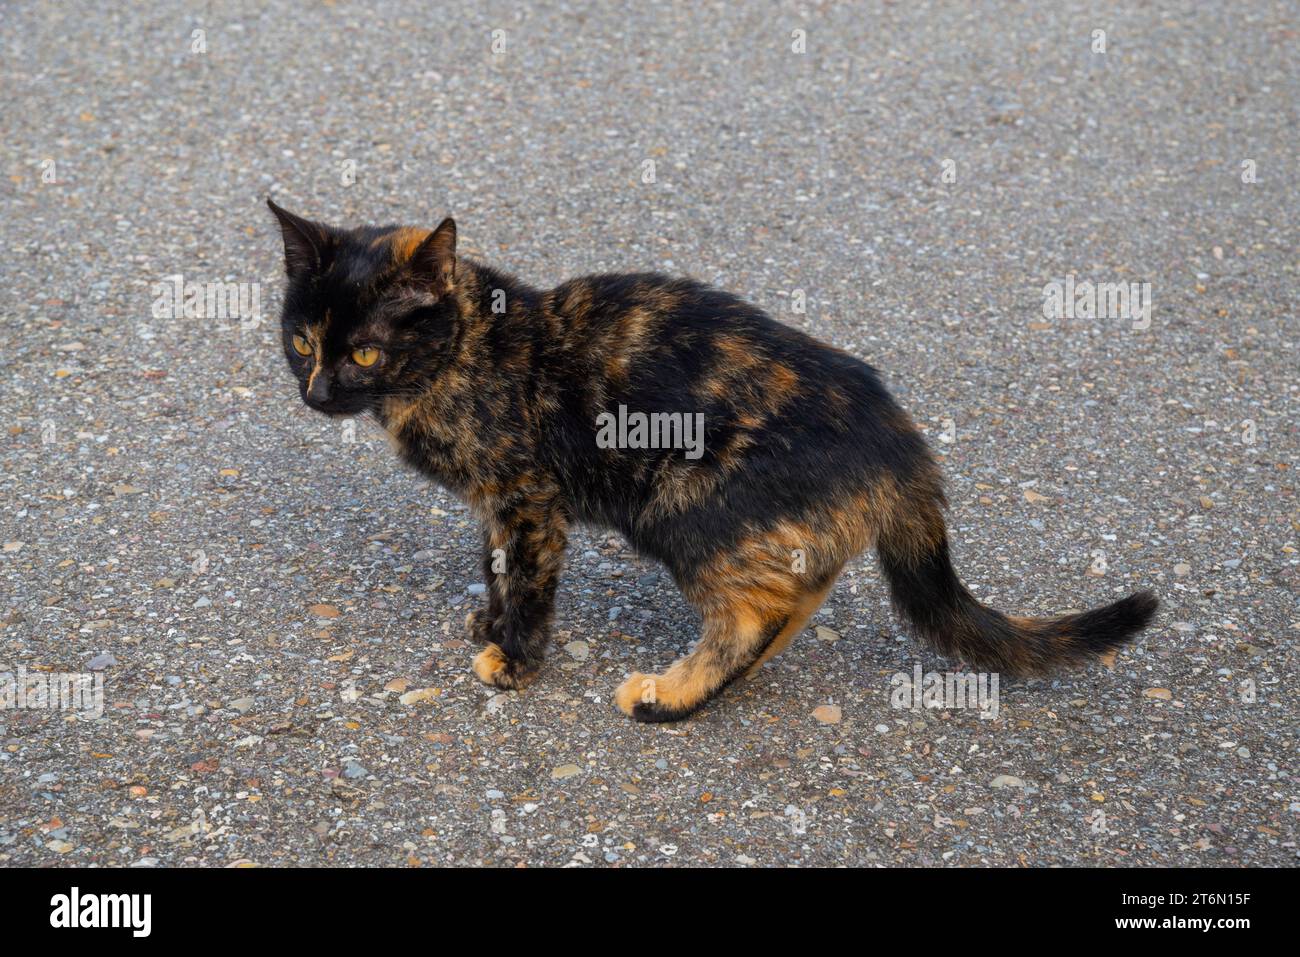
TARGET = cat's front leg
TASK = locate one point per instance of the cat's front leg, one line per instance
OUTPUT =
(479, 622)
(478, 625)
(524, 551)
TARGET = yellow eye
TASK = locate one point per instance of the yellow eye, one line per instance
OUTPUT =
(366, 356)
(301, 346)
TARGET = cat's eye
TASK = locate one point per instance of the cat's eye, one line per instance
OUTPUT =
(301, 346)
(365, 357)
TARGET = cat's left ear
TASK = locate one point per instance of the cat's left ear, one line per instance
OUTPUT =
(436, 256)
(307, 244)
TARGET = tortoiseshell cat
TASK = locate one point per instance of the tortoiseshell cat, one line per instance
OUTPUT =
(496, 391)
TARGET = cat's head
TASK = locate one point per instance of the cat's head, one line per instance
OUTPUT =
(369, 314)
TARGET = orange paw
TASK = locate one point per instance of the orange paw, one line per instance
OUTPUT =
(492, 667)
(638, 689)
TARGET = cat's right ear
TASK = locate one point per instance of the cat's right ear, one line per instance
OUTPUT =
(436, 256)
(307, 245)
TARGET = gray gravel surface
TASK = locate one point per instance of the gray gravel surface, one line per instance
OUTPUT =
(274, 603)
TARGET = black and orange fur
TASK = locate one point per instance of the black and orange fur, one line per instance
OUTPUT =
(492, 389)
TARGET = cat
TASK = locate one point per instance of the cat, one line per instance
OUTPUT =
(505, 395)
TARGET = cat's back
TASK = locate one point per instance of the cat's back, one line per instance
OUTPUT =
(606, 302)
(777, 414)
(653, 311)
(654, 343)
(683, 328)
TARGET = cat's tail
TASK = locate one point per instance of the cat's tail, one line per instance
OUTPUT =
(913, 551)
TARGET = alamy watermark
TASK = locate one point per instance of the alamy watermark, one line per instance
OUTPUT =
(1069, 299)
(174, 298)
(52, 691)
(653, 430)
(946, 691)
(75, 909)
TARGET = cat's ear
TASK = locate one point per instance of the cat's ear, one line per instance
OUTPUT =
(436, 256)
(307, 245)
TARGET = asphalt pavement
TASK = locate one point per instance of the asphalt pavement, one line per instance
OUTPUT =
(273, 604)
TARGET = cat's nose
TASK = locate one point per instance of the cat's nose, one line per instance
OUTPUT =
(319, 389)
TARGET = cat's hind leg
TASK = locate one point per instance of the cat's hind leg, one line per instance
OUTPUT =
(729, 643)
(744, 625)
(805, 607)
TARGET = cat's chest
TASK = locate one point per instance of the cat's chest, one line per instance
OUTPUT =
(446, 448)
